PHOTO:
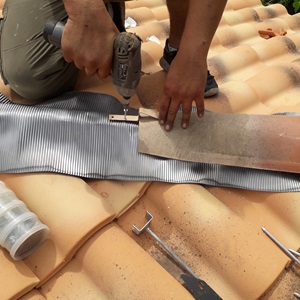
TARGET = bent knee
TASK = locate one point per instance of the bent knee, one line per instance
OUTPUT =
(40, 82)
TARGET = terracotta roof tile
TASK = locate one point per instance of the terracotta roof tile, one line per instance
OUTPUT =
(111, 265)
(34, 294)
(18, 278)
(92, 252)
(219, 233)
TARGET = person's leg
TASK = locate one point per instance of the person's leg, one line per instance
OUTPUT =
(118, 14)
(178, 11)
(33, 68)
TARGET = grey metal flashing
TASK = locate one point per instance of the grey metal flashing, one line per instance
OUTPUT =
(72, 134)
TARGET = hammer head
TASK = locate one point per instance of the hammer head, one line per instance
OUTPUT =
(149, 218)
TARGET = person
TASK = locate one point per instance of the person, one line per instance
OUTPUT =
(192, 27)
(37, 70)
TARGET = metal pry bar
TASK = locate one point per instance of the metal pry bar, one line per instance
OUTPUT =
(146, 227)
(196, 286)
(297, 254)
(281, 247)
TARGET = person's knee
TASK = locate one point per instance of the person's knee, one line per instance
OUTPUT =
(40, 80)
(33, 68)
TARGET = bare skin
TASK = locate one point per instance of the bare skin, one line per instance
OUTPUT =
(87, 21)
(193, 25)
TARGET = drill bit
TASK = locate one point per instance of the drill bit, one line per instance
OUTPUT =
(126, 106)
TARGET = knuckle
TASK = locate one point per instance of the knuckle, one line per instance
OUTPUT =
(67, 50)
(101, 74)
(186, 111)
(89, 72)
(175, 93)
(164, 107)
(172, 111)
(88, 62)
(171, 90)
(100, 71)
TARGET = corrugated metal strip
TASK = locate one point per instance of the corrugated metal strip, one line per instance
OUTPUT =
(71, 134)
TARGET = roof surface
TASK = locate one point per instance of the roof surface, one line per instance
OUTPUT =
(92, 253)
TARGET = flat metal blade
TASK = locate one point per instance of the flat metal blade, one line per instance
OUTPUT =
(199, 288)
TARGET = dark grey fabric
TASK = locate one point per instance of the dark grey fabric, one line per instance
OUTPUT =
(71, 134)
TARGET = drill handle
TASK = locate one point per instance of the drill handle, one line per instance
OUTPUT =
(53, 32)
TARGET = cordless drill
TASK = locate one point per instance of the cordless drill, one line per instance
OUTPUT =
(126, 65)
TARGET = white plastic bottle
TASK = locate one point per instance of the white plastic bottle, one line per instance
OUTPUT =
(21, 232)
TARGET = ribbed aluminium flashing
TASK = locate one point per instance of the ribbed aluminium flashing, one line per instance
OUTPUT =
(72, 134)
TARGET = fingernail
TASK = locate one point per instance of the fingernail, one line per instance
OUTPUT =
(161, 122)
(184, 125)
(168, 127)
(200, 115)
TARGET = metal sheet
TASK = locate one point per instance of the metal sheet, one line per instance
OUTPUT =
(270, 142)
(72, 135)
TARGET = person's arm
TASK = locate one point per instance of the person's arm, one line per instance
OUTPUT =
(186, 78)
(88, 36)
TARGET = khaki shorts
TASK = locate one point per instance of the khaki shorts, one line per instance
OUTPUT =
(33, 68)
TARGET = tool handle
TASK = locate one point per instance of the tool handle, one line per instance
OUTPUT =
(199, 288)
(53, 32)
(127, 63)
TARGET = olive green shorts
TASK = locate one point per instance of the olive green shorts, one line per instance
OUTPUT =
(33, 68)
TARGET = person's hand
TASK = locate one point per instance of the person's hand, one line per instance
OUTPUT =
(185, 83)
(88, 43)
